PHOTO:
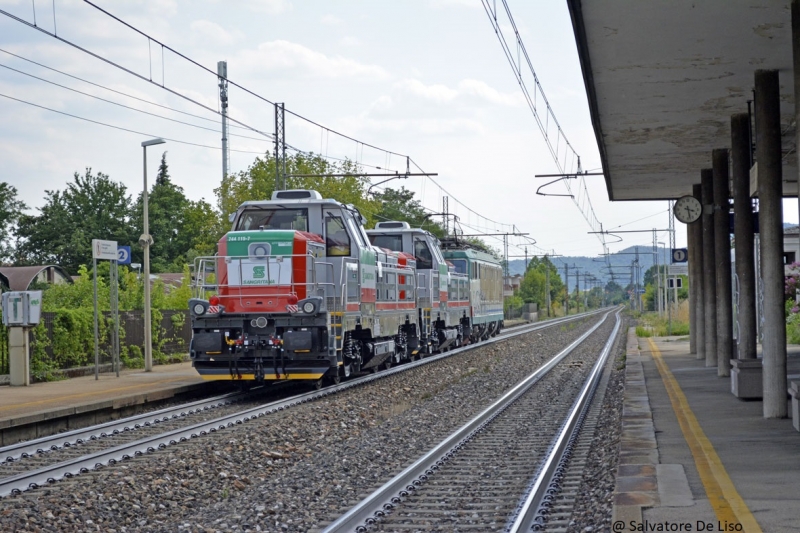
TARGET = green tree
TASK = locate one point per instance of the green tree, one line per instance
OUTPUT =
(533, 288)
(400, 204)
(181, 229)
(206, 228)
(595, 298)
(10, 212)
(258, 183)
(91, 207)
(615, 293)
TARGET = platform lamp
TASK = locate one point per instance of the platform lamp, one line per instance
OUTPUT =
(146, 241)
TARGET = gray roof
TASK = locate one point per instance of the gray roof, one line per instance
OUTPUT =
(19, 278)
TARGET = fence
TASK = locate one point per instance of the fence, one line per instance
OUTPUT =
(525, 312)
(171, 337)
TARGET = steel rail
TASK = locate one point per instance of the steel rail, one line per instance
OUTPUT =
(367, 512)
(530, 515)
(33, 479)
(77, 436)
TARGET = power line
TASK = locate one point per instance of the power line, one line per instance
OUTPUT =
(359, 144)
(248, 91)
(121, 93)
(123, 105)
(450, 195)
(120, 127)
(582, 200)
(125, 69)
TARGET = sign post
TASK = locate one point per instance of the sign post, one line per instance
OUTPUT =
(106, 250)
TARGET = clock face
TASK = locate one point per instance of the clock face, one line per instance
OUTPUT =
(688, 209)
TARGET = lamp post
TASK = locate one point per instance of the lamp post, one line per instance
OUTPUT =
(146, 241)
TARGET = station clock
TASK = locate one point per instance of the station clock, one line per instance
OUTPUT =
(687, 209)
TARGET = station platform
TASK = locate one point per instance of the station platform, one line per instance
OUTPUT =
(693, 457)
(47, 408)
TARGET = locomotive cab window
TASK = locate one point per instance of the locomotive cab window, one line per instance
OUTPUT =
(423, 254)
(254, 219)
(336, 238)
(460, 264)
(391, 242)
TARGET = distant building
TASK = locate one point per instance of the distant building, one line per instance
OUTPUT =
(21, 278)
(511, 284)
(170, 280)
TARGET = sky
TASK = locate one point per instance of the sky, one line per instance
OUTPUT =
(420, 78)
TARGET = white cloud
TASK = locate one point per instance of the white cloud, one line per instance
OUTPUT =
(331, 20)
(458, 3)
(350, 41)
(212, 31)
(483, 90)
(469, 87)
(423, 126)
(284, 55)
(438, 93)
(273, 7)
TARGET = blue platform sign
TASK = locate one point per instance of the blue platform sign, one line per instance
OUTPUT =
(124, 255)
(680, 255)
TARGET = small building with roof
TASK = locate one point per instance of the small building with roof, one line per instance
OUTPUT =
(20, 278)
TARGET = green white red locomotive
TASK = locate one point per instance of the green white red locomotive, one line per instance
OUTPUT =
(300, 291)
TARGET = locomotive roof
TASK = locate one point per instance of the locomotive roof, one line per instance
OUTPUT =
(291, 201)
(469, 253)
(400, 229)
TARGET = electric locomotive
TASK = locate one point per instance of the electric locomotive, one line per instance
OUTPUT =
(460, 289)
(297, 291)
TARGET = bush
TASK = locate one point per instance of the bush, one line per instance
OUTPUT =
(659, 326)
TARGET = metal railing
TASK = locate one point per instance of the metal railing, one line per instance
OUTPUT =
(249, 272)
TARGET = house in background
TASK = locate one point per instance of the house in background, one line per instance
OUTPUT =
(511, 285)
(21, 278)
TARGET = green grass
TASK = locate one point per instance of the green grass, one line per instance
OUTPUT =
(653, 325)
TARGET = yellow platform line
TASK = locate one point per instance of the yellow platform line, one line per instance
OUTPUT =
(728, 505)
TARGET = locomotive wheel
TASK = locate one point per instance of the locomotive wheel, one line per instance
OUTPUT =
(336, 378)
(318, 383)
(387, 364)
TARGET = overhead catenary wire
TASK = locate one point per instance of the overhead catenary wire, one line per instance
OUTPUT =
(120, 127)
(126, 95)
(360, 145)
(245, 89)
(582, 201)
(129, 107)
(125, 69)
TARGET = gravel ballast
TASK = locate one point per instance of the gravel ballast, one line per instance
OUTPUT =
(292, 470)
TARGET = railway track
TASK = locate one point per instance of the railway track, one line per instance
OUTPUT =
(36, 463)
(504, 469)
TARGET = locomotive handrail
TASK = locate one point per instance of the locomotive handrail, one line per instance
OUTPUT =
(199, 284)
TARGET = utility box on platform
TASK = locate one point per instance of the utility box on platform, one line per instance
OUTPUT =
(21, 311)
(22, 308)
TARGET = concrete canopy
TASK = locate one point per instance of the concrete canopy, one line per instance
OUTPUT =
(663, 78)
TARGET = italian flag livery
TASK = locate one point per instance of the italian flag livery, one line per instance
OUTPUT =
(298, 290)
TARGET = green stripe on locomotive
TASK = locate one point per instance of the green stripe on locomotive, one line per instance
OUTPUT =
(281, 241)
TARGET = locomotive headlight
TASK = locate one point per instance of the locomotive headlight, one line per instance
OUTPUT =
(198, 306)
(308, 307)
